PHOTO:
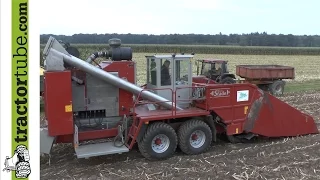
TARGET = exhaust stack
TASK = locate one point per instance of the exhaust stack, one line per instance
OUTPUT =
(55, 54)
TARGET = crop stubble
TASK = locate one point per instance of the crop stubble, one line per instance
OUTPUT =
(289, 158)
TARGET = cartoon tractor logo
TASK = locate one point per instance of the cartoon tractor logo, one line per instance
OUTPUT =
(19, 162)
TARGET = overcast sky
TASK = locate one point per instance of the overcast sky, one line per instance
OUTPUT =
(296, 17)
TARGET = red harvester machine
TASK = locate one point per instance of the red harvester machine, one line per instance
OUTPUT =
(86, 102)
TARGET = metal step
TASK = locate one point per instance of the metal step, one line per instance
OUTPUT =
(91, 150)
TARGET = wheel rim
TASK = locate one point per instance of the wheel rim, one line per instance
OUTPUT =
(278, 89)
(197, 139)
(160, 143)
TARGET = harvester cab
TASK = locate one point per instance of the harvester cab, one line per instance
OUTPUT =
(168, 73)
(216, 70)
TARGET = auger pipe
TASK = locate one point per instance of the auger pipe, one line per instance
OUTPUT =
(118, 82)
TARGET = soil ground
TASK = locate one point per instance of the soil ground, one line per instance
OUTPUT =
(285, 158)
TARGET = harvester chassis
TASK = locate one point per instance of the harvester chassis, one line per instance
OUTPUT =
(159, 118)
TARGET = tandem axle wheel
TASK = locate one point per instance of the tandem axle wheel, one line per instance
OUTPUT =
(195, 137)
(161, 140)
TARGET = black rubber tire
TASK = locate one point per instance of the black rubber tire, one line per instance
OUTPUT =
(185, 131)
(227, 80)
(154, 129)
(277, 87)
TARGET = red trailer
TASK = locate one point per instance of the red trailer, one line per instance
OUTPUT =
(266, 77)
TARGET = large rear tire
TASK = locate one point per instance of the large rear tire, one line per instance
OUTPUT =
(159, 142)
(195, 137)
(277, 87)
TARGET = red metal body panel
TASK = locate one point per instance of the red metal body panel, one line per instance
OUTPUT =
(265, 72)
(58, 102)
(258, 112)
(224, 100)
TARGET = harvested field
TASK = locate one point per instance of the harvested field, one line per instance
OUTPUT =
(286, 158)
(306, 67)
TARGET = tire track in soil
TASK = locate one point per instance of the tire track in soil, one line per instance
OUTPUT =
(290, 158)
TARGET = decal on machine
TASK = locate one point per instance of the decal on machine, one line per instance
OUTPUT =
(68, 108)
(242, 95)
(223, 92)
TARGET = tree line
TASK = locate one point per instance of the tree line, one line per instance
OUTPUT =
(252, 39)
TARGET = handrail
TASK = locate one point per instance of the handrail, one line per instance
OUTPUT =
(173, 96)
(146, 89)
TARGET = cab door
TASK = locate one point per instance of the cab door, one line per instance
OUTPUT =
(182, 81)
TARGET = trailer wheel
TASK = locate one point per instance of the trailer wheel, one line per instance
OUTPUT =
(195, 137)
(277, 87)
(227, 80)
(159, 142)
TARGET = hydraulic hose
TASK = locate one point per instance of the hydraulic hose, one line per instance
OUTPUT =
(95, 55)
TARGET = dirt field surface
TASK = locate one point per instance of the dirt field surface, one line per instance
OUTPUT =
(286, 158)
